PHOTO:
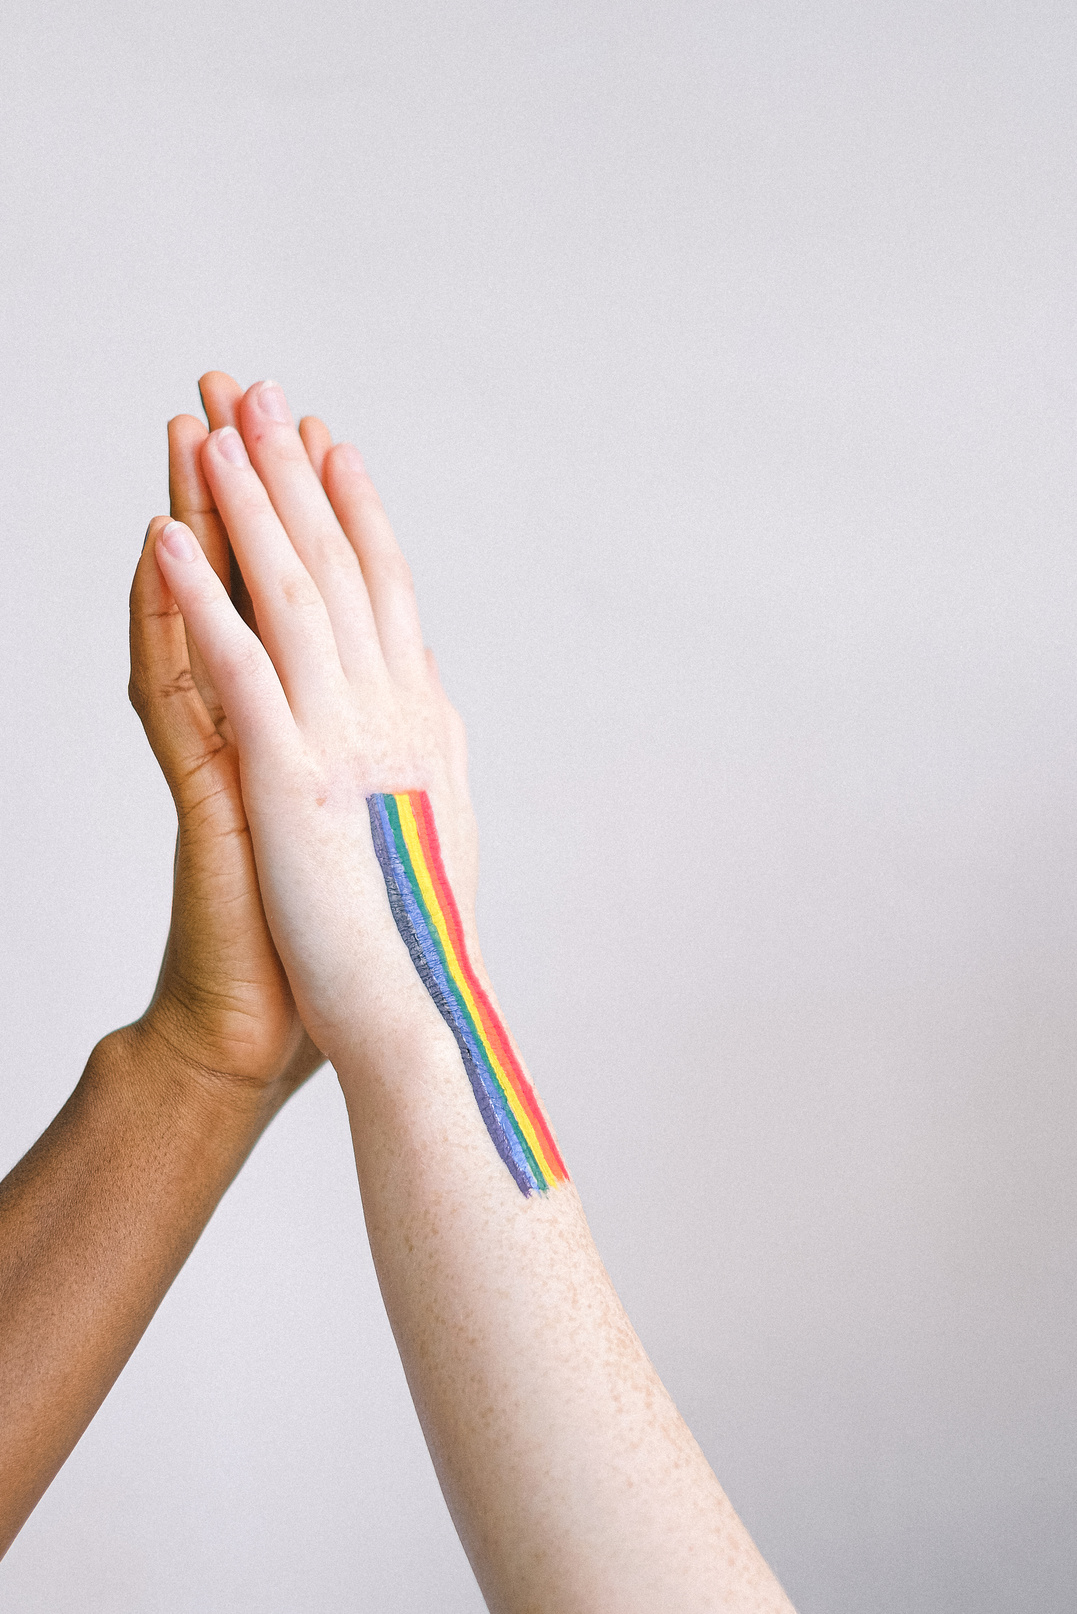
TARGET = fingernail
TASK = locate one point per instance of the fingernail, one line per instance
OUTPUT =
(178, 541)
(351, 457)
(272, 402)
(230, 444)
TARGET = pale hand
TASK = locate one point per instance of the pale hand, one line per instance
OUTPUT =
(337, 699)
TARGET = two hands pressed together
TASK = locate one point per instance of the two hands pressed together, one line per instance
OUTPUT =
(278, 667)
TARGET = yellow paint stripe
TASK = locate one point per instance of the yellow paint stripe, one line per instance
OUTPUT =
(426, 886)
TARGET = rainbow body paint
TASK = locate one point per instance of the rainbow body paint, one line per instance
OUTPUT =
(427, 918)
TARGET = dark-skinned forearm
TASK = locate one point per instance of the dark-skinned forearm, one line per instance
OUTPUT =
(95, 1222)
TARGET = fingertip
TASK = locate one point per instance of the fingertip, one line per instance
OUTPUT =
(215, 381)
(186, 435)
(349, 459)
(317, 440)
(263, 408)
(188, 492)
(343, 470)
(220, 394)
(148, 581)
(247, 399)
(186, 428)
(227, 441)
(177, 542)
(156, 527)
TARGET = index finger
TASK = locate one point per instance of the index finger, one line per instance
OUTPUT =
(191, 502)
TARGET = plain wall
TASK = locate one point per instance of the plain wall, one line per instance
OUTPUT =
(718, 366)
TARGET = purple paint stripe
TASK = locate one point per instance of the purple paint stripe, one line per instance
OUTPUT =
(446, 996)
(416, 937)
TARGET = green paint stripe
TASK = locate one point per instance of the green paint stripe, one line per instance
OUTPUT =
(404, 855)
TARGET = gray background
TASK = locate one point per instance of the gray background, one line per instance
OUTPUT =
(718, 366)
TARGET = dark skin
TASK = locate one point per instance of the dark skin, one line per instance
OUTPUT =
(98, 1217)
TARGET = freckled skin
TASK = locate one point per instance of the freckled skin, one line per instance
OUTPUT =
(572, 1479)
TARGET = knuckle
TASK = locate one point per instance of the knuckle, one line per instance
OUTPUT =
(239, 661)
(181, 684)
(298, 591)
(143, 693)
(204, 592)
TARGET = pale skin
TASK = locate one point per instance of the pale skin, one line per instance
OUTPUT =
(572, 1480)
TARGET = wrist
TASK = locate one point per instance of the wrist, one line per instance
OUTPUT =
(143, 1066)
(227, 1046)
(377, 1052)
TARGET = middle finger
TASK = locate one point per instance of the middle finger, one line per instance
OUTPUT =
(293, 622)
(281, 460)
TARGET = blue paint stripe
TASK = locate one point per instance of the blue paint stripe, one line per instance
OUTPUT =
(411, 924)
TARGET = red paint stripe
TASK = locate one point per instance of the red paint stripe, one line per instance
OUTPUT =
(428, 839)
(492, 1023)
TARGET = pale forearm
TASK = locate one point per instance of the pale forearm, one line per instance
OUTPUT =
(95, 1222)
(572, 1479)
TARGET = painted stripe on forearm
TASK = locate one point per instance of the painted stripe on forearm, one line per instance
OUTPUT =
(426, 915)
